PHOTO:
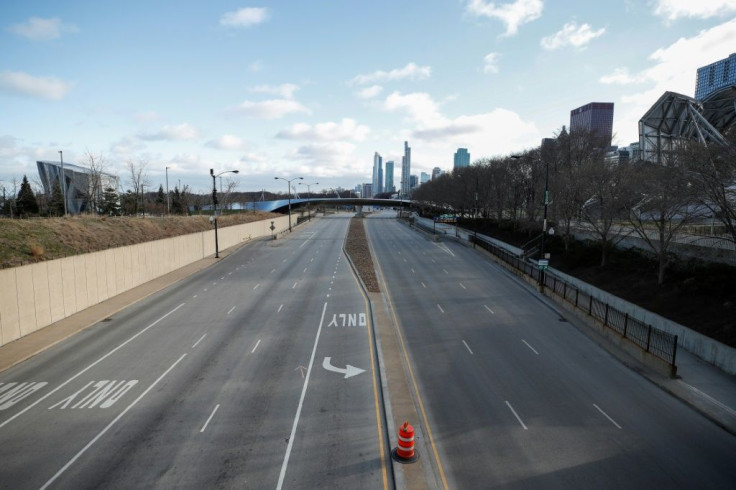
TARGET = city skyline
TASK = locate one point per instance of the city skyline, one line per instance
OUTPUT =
(256, 87)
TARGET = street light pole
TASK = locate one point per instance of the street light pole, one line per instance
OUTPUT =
(309, 213)
(63, 181)
(288, 190)
(544, 226)
(168, 197)
(214, 204)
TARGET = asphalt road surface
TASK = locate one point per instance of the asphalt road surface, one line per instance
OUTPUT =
(258, 372)
(517, 397)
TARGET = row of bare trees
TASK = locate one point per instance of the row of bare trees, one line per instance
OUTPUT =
(608, 198)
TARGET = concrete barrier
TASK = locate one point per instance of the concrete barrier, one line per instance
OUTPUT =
(37, 295)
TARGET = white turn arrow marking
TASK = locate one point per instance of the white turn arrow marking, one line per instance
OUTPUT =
(348, 371)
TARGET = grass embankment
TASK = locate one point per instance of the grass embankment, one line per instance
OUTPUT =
(33, 240)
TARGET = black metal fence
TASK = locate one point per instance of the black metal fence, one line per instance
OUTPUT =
(650, 339)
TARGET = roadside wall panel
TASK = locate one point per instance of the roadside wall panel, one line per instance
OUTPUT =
(56, 290)
(90, 269)
(26, 300)
(80, 282)
(68, 285)
(101, 269)
(9, 320)
(42, 302)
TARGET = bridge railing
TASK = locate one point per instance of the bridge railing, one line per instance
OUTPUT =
(652, 340)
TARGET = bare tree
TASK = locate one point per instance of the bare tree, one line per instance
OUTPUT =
(138, 180)
(608, 186)
(95, 165)
(712, 171)
(666, 204)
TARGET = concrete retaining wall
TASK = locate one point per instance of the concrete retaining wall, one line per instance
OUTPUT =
(709, 350)
(37, 295)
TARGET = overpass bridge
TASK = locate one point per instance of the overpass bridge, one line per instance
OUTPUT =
(282, 205)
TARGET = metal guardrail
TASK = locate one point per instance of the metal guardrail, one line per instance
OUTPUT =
(650, 339)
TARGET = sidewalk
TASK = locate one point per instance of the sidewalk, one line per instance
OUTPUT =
(706, 388)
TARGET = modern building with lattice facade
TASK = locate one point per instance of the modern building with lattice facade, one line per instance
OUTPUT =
(77, 185)
(712, 78)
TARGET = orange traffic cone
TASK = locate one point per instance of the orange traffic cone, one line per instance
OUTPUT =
(405, 452)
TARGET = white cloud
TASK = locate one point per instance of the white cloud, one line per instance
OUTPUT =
(256, 66)
(245, 17)
(673, 69)
(347, 129)
(328, 160)
(512, 14)
(490, 63)
(571, 35)
(285, 90)
(676, 9)
(44, 87)
(620, 76)
(411, 71)
(489, 133)
(419, 106)
(369, 92)
(179, 132)
(227, 142)
(270, 109)
(37, 29)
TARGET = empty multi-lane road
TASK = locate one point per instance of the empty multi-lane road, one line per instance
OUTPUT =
(262, 372)
(237, 377)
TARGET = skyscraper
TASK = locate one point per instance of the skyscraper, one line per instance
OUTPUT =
(462, 158)
(377, 181)
(406, 170)
(715, 76)
(423, 178)
(596, 117)
(436, 172)
(389, 186)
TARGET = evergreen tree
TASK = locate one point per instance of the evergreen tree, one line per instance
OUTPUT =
(26, 203)
(56, 204)
(177, 207)
(161, 195)
(110, 202)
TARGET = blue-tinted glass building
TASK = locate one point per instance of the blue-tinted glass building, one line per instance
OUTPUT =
(715, 76)
(462, 158)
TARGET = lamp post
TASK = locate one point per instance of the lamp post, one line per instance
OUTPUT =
(63, 181)
(309, 213)
(288, 189)
(542, 267)
(214, 204)
(168, 197)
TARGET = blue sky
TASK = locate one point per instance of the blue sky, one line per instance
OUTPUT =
(314, 88)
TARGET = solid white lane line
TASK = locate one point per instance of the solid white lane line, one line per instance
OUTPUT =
(467, 347)
(462, 285)
(282, 474)
(230, 310)
(114, 421)
(424, 285)
(88, 368)
(606, 415)
(200, 340)
(280, 306)
(438, 306)
(532, 348)
(256, 286)
(209, 418)
(445, 271)
(257, 344)
(516, 415)
(708, 397)
(490, 310)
